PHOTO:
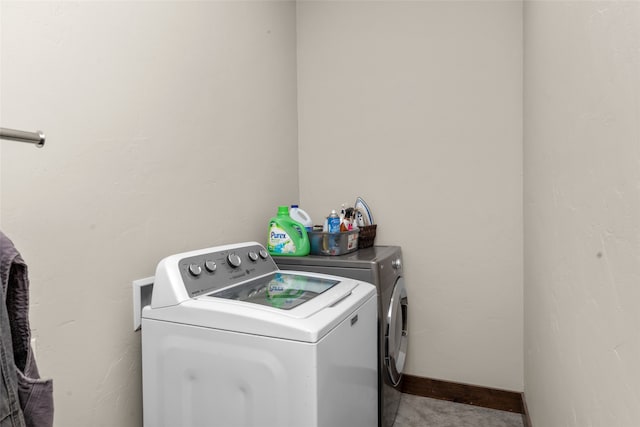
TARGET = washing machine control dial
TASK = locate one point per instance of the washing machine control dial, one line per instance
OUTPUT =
(207, 271)
(210, 266)
(234, 260)
(396, 264)
(195, 269)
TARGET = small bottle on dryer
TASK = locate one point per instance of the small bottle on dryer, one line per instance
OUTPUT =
(333, 222)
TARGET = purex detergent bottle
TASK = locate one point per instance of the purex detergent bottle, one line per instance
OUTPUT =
(286, 236)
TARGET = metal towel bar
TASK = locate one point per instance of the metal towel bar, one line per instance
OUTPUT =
(36, 137)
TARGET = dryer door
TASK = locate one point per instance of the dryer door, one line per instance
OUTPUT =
(395, 339)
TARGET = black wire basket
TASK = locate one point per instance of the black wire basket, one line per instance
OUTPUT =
(367, 236)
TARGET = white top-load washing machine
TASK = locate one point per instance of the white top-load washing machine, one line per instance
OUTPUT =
(231, 340)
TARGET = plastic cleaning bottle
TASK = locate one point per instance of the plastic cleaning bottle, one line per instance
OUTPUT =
(287, 237)
(301, 216)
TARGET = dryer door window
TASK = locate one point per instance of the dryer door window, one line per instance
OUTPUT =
(396, 333)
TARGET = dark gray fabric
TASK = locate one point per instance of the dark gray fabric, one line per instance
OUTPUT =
(35, 395)
(10, 412)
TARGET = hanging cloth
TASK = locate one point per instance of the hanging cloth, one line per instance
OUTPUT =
(10, 411)
(35, 395)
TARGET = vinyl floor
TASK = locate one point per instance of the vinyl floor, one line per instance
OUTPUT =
(418, 411)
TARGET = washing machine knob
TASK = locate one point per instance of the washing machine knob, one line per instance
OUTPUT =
(210, 266)
(195, 269)
(253, 256)
(234, 260)
(396, 264)
(263, 254)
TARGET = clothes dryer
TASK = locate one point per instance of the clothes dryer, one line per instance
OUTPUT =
(230, 340)
(383, 267)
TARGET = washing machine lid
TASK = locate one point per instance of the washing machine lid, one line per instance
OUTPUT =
(279, 290)
(308, 322)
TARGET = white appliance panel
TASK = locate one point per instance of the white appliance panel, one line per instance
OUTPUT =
(209, 377)
(347, 372)
(195, 376)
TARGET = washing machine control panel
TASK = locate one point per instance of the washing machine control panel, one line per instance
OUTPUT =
(212, 271)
